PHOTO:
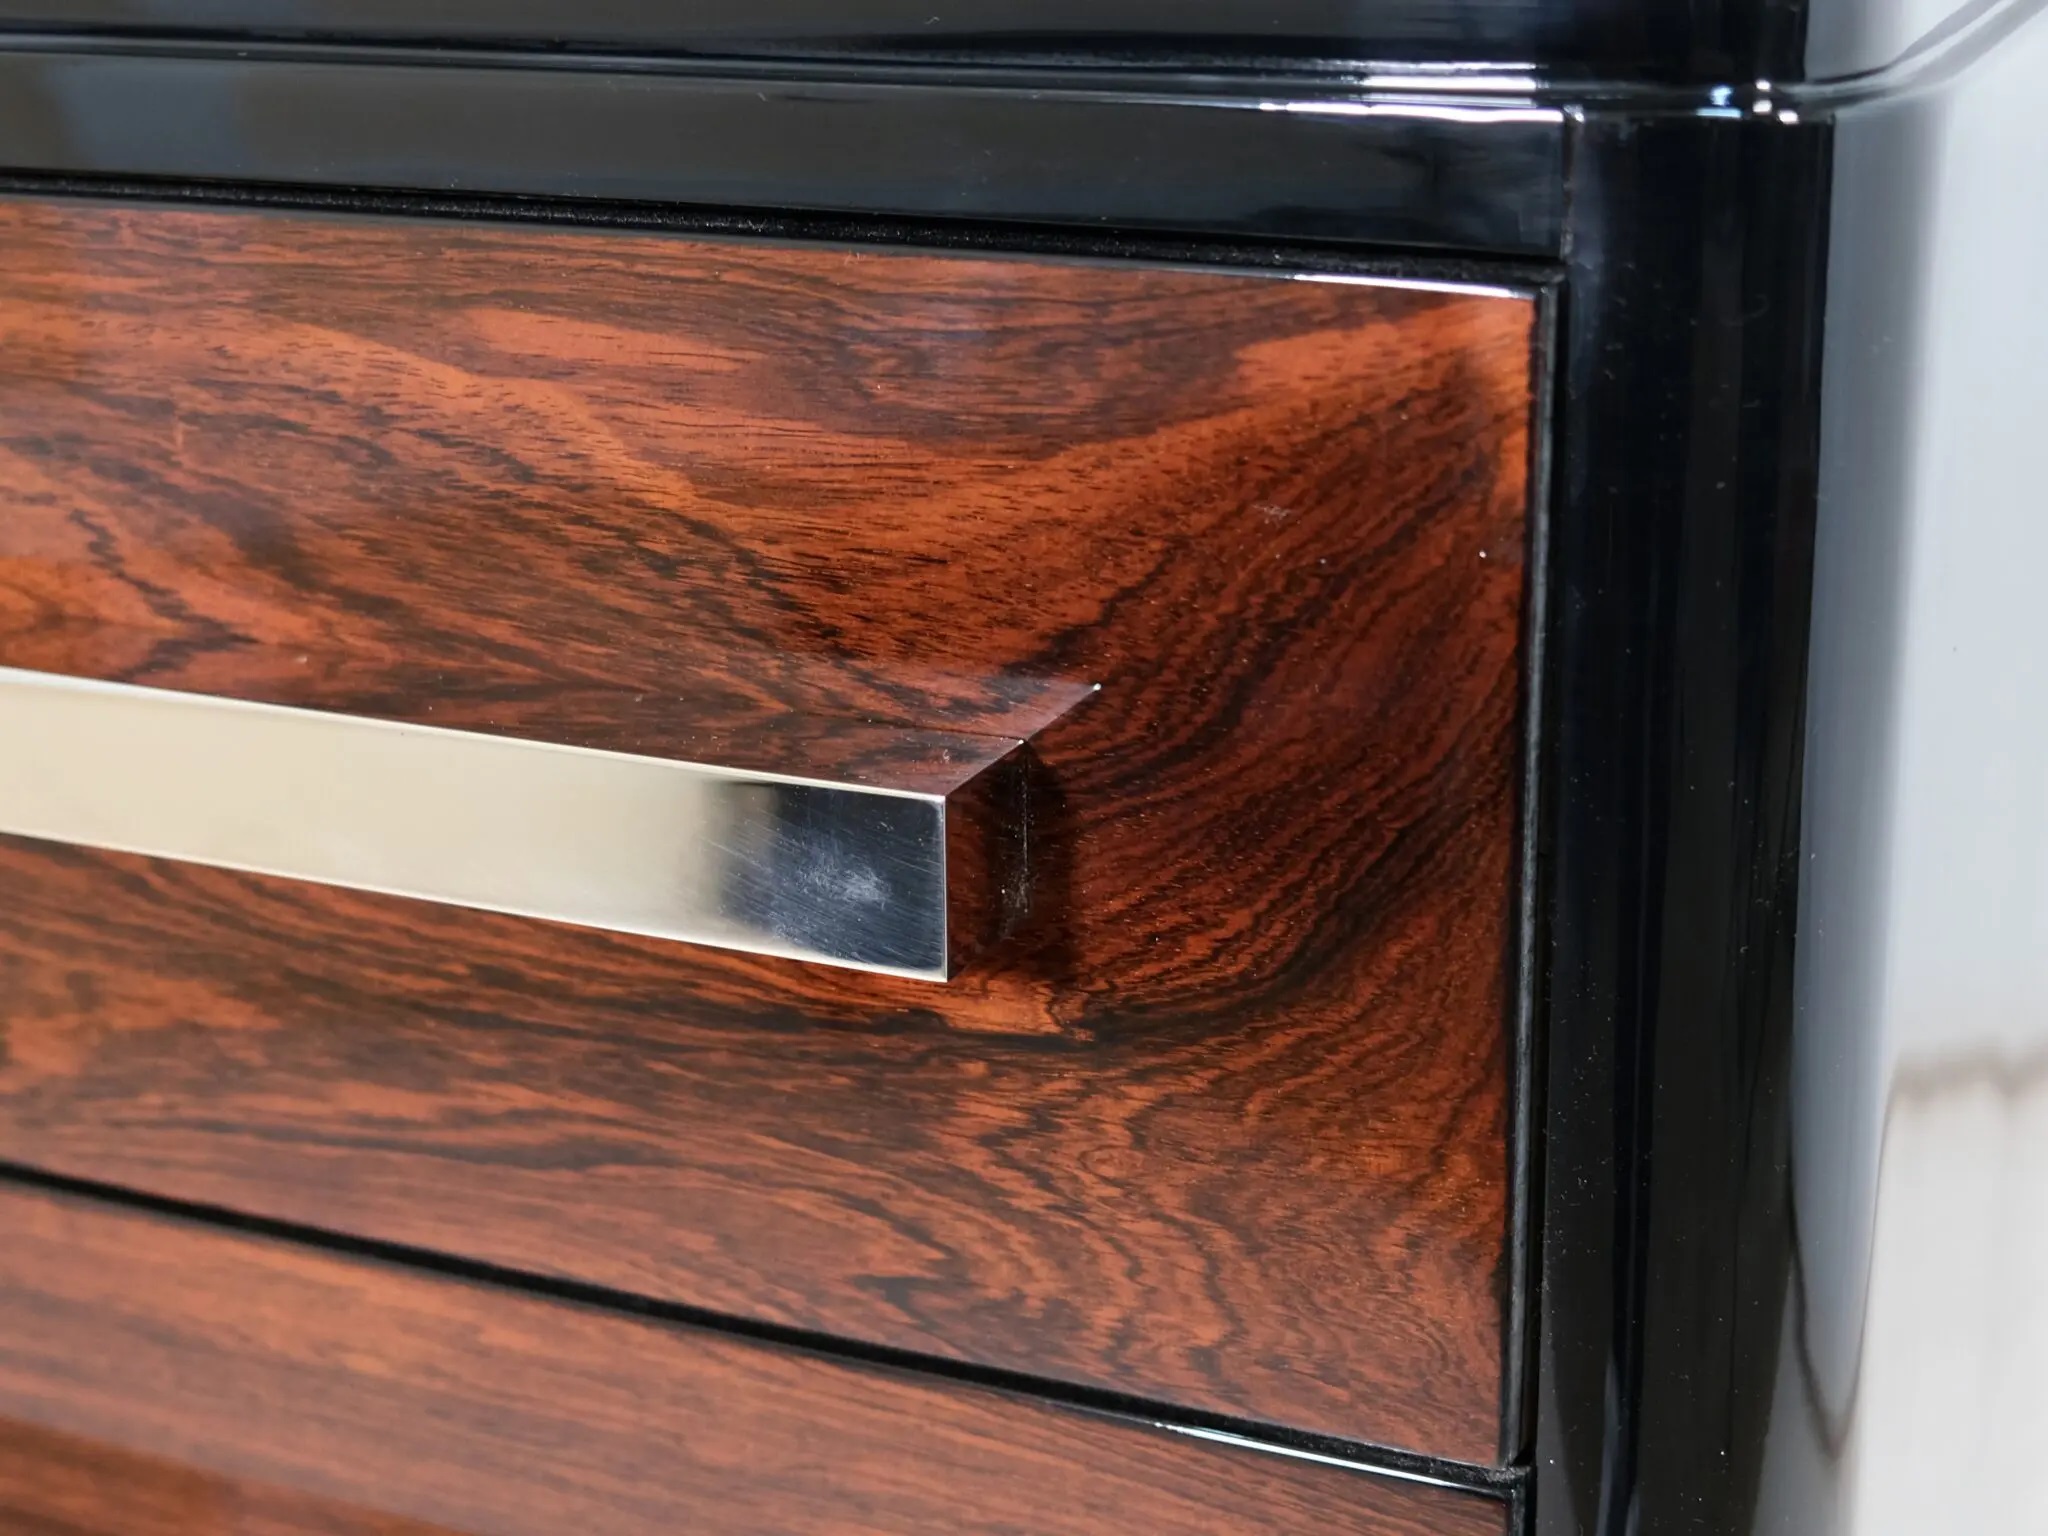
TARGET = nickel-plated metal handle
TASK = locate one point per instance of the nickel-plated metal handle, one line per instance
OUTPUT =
(906, 880)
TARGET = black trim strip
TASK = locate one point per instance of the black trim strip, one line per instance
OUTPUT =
(978, 237)
(1366, 1458)
(1673, 39)
(1525, 1062)
(1680, 575)
(893, 29)
(1485, 177)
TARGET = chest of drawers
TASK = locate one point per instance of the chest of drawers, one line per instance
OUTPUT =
(1009, 768)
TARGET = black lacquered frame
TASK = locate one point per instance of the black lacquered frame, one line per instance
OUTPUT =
(1682, 545)
(1677, 40)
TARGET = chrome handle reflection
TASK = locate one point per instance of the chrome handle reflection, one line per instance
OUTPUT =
(905, 881)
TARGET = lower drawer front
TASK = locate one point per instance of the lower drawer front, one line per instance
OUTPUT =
(1238, 556)
(164, 1377)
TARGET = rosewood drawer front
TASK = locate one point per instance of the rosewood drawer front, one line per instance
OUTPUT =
(1213, 1111)
(166, 1379)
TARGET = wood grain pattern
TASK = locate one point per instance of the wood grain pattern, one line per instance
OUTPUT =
(157, 1376)
(55, 1484)
(1224, 1127)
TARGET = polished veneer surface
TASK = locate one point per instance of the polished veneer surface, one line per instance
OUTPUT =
(251, 1386)
(1224, 1126)
(54, 1484)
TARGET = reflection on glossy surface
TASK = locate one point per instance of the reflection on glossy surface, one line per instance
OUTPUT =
(875, 878)
(1854, 37)
(1910, 1389)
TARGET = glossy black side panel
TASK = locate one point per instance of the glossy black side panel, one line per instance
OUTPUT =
(1682, 551)
(1667, 39)
(1252, 163)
